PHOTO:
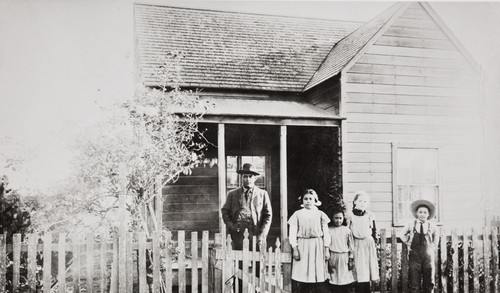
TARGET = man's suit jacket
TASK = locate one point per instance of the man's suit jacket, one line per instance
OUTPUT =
(260, 208)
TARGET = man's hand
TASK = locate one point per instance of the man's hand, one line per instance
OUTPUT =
(327, 253)
(296, 254)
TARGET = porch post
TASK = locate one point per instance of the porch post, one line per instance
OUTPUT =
(283, 184)
(221, 163)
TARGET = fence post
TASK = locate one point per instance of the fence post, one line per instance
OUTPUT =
(383, 277)
(3, 261)
(277, 266)
(246, 261)
(287, 267)
(129, 265)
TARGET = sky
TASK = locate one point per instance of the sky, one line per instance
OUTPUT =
(61, 60)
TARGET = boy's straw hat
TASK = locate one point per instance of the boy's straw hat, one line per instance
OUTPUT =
(422, 202)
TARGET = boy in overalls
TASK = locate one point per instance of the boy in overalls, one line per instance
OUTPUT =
(421, 237)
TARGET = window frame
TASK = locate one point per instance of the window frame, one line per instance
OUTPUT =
(267, 162)
(419, 146)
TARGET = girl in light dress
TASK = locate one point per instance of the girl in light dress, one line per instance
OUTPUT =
(341, 260)
(310, 241)
(362, 224)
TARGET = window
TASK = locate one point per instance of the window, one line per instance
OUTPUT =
(234, 163)
(415, 176)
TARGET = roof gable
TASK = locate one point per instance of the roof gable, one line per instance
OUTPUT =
(234, 50)
(350, 46)
(347, 51)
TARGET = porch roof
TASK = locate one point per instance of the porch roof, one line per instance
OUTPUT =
(295, 112)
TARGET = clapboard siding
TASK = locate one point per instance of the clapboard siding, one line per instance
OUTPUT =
(412, 86)
(411, 100)
(402, 70)
(191, 203)
(425, 81)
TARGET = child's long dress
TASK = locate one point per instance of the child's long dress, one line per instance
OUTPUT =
(307, 230)
(365, 253)
(341, 246)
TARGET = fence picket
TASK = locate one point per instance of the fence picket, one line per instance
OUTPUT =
(181, 246)
(454, 246)
(3, 262)
(465, 245)
(168, 262)
(194, 262)
(404, 268)
(204, 262)
(61, 263)
(486, 259)
(394, 262)
(254, 254)
(246, 261)
(90, 263)
(32, 241)
(475, 260)
(16, 259)
(122, 261)
(129, 264)
(114, 266)
(277, 266)
(443, 247)
(141, 254)
(267, 270)
(47, 261)
(262, 261)
(269, 260)
(156, 262)
(494, 257)
(102, 266)
(383, 261)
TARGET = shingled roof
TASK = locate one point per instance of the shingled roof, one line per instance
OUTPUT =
(235, 50)
(350, 46)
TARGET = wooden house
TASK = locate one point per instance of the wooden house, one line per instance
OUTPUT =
(388, 106)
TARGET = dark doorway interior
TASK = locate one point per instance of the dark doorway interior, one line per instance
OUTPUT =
(314, 162)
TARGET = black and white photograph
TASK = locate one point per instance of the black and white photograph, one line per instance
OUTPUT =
(185, 146)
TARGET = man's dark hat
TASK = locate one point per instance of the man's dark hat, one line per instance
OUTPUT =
(248, 169)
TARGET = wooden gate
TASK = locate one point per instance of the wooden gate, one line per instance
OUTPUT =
(250, 269)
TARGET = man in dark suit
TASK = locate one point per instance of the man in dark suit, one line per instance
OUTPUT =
(247, 207)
